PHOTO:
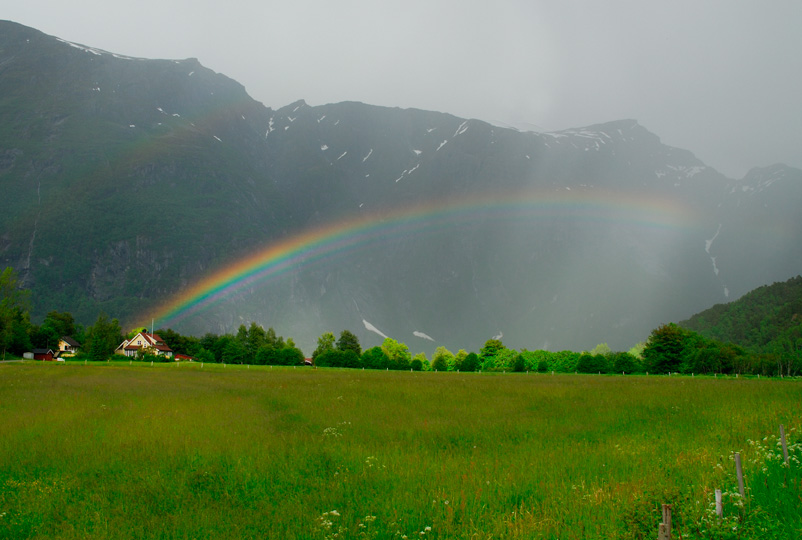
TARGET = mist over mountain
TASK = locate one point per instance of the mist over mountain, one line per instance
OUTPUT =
(129, 180)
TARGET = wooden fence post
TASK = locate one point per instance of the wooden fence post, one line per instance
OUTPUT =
(785, 446)
(740, 472)
(664, 530)
(719, 507)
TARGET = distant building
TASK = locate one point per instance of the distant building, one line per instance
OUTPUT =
(68, 346)
(43, 354)
(148, 343)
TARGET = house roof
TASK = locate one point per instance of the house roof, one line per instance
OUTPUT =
(69, 341)
(43, 351)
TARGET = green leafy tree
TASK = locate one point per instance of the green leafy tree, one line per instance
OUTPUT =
(202, 355)
(442, 359)
(291, 356)
(255, 338)
(637, 350)
(439, 363)
(397, 354)
(519, 364)
(489, 354)
(268, 356)
(418, 362)
(589, 363)
(375, 358)
(665, 348)
(624, 362)
(459, 358)
(235, 352)
(471, 362)
(325, 343)
(103, 337)
(338, 358)
(601, 348)
(55, 326)
(15, 324)
(349, 342)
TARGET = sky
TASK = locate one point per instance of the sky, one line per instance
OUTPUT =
(722, 79)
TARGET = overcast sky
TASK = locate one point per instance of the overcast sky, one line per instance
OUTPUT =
(720, 78)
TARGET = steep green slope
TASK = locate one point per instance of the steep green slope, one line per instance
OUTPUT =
(767, 319)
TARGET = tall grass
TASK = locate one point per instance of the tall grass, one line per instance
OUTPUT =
(119, 451)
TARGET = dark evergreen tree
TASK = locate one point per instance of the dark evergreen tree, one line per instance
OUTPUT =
(103, 338)
(349, 342)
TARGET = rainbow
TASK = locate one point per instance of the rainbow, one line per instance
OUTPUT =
(332, 239)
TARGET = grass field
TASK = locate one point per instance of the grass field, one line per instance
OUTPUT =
(119, 451)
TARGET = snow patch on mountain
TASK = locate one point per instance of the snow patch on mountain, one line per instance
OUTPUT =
(369, 327)
(421, 335)
(442, 144)
(364, 159)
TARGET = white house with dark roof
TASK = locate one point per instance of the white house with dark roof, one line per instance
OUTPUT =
(148, 343)
(68, 346)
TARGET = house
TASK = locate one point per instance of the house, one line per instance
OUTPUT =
(148, 343)
(184, 358)
(68, 346)
(43, 354)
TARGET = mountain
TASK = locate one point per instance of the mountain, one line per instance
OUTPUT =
(131, 181)
(764, 320)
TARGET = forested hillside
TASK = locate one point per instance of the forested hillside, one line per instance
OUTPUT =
(143, 188)
(768, 319)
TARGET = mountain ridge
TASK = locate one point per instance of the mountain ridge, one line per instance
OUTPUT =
(133, 179)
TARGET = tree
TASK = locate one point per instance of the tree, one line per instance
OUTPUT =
(55, 326)
(665, 349)
(235, 352)
(488, 353)
(601, 348)
(439, 363)
(268, 356)
(15, 321)
(418, 362)
(442, 359)
(589, 363)
(397, 354)
(459, 358)
(255, 338)
(338, 358)
(349, 342)
(624, 362)
(103, 337)
(471, 362)
(325, 343)
(519, 364)
(291, 356)
(375, 358)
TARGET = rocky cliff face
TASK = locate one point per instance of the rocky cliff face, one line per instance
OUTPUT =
(129, 180)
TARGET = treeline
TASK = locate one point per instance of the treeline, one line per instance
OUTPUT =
(669, 349)
(250, 345)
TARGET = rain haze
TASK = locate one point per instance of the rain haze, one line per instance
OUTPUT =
(721, 79)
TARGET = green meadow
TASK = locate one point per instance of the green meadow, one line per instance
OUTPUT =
(179, 451)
